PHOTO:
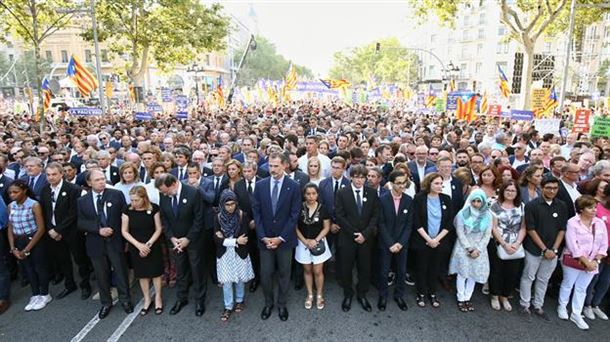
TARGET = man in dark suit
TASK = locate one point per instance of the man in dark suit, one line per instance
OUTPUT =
(395, 226)
(313, 127)
(110, 172)
(58, 200)
(244, 189)
(568, 191)
(276, 209)
(99, 216)
(357, 210)
(182, 218)
(218, 177)
(34, 176)
(293, 172)
(419, 165)
(183, 156)
(4, 183)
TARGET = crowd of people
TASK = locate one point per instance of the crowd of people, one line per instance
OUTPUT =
(304, 191)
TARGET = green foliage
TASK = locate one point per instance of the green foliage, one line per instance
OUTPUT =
(265, 62)
(392, 63)
(24, 72)
(166, 32)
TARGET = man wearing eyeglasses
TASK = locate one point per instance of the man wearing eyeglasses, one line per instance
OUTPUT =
(545, 221)
(519, 158)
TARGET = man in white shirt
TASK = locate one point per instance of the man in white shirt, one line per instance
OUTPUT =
(311, 145)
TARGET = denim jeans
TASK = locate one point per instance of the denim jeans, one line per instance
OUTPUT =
(227, 291)
(599, 286)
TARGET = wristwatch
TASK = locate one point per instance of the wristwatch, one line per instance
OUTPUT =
(556, 251)
(544, 251)
(26, 253)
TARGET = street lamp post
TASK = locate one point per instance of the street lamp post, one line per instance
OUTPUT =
(196, 68)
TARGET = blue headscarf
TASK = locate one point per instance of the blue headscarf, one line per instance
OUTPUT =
(476, 220)
(229, 222)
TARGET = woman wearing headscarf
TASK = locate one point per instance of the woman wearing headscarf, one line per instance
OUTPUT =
(470, 260)
(233, 263)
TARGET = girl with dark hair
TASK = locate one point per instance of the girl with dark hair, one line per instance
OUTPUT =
(25, 236)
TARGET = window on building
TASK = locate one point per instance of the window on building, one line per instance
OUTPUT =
(104, 55)
(466, 20)
(547, 47)
(432, 38)
(64, 56)
(88, 56)
(501, 31)
(482, 19)
(466, 35)
(481, 34)
(505, 47)
(11, 57)
(479, 49)
(207, 60)
(49, 56)
(477, 68)
(463, 70)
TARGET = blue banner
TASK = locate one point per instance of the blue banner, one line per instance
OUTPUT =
(154, 108)
(166, 95)
(524, 115)
(317, 87)
(182, 103)
(143, 116)
(85, 111)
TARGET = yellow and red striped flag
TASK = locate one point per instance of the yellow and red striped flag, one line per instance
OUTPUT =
(504, 89)
(132, 92)
(291, 78)
(334, 84)
(83, 78)
(484, 105)
(466, 106)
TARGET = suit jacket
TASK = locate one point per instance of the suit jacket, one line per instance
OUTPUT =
(420, 219)
(395, 227)
(174, 172)
(457, 194)
(114, 175)
(244, 198)
(223, 180)
(412, 165)
(206, 188)
(38, 185)
(15, 167)
(327, 194)
(5, 182)
(318, 130)
(283, 224)
(262, 173)
(65, 208)
(301, 177)
(88, 222)
(563, 195)
(189, 220)
(347, 212)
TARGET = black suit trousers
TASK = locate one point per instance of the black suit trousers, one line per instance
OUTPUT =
(190, 267)
(385, 261)
(68, 248)
(103, 272)
(427, 264)
(271, 259)
(352, 252)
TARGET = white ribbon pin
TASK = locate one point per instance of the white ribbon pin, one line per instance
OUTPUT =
(555, 215)
(444, 207)
(405, 211)
(1, 185)
(184, 200)
(109, 204)
(149, 212)
(63, 194)
(364, 199)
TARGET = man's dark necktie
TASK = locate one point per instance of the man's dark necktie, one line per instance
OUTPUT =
(250, 186)
(180, 175)
(175, 205)
(275, 195)
(336, 187)
(358, 202)
(100, 212)
(32, 183)
(216, 184)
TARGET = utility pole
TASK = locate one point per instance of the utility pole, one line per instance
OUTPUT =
(98, 64)
(564, 81)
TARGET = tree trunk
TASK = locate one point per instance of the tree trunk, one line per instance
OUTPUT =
(527, 78)
(36, 43)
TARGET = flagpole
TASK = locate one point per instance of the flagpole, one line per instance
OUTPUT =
(98, 64)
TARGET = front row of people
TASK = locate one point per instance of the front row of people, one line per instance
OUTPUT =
(388, 226)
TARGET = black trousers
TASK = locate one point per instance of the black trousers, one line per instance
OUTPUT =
(427, 264)
(113, 264)
(62, 251)
(360, 254)
(35, 266)
(209, 254)
(280, 258)
(504, 274)
(387, 258)
(190, 268)
(254, 253)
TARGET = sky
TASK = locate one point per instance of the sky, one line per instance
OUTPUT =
(310, 32)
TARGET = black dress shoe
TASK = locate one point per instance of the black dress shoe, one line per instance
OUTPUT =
(128, 307)
(266, 312)
(104, 311)
(402, 305)
(365, 304)
(283, 313)
(382, 303)
(347, 304)
(253, 285)
(298, 285)
(199, 309)
(65, 292)
(85, 293)
(178, 306)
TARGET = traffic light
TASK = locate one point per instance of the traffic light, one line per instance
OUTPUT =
(377, 47)
(517, 73)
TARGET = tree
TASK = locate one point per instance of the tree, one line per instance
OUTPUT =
(24, 70)
(166, 32)
(526, 20)
(265, 62)
(392, 63)
(33, 21)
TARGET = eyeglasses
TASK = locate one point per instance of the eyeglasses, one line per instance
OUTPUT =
(400, 183)
(433, 153)
(551, 188)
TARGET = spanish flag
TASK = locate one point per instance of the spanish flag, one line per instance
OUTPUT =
(504, 89)
(83, 78)
(466, 105)
(336, 84)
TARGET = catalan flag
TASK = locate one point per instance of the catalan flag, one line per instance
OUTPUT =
(109, 89)
(430, 100)
(46, 93)
(219, 95)
(336, 84)
(551, 101)
(452, 85)
(291, 78)
(132, 92)
(484, 106)
(83, 78)
(466, 105)
(504, 89)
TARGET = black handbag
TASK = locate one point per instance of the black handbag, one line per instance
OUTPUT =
(319, 249)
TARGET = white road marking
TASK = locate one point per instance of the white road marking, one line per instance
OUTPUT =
(88, 327)
(130, 318)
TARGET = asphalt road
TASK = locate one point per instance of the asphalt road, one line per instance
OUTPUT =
(63, 319)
